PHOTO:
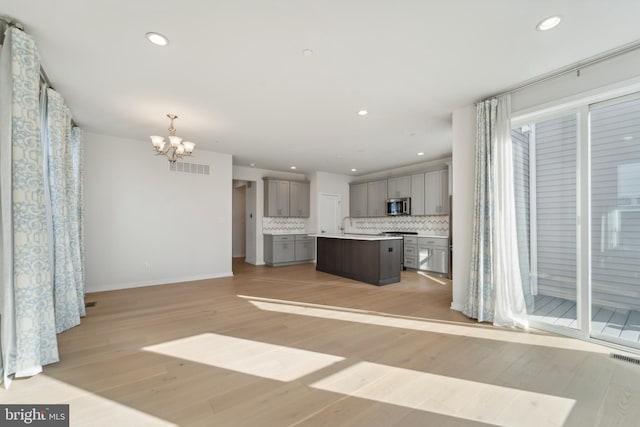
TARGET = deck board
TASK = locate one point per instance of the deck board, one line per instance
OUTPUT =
(631, 331)
(609, 322)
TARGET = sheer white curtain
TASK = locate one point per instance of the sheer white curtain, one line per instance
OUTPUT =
(495, 288)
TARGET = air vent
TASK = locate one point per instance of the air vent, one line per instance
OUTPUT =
(625, 358)
(185, 167)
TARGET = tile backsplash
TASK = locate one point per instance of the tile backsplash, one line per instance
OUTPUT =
(283, 225)
(433, 224)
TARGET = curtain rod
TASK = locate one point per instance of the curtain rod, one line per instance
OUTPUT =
(575, 67)
(44, 78)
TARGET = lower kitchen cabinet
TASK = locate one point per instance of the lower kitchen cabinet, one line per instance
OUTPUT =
(426, 253)
(288, 249)
(305, 248)
(371, 261)
(411, 252)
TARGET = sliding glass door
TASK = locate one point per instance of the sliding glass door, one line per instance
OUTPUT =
(615, 221)
(545, 168)
(577, 181)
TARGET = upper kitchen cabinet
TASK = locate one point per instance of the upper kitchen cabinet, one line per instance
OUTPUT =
(417, 194)
(377, 198)
(299, 199)
(399, 187)
(276, 197)
(436, 193)
(358, 200)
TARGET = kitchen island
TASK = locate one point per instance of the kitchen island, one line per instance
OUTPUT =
(370, 259)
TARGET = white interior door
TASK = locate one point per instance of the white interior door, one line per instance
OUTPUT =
(329, 213)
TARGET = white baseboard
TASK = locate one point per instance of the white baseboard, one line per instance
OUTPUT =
(456, 306)
(157, 282)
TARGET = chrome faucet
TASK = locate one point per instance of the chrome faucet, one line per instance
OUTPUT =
(342, 227)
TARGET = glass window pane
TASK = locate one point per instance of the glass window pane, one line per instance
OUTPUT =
(615, 222)
(545, 162)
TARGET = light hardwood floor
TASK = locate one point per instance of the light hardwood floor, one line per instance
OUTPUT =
(290, 346)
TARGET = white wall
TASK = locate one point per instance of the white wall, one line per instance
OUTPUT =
(256, 209)
(464, 128)
(617, 72)
(145, 225)
(426, 166)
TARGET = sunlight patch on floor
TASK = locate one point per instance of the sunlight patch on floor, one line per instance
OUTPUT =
(85, 408)
(431, 277)
(451, 328)
(264, 360)
(453, 397)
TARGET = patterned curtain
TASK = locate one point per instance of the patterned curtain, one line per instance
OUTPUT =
(28, 337)
(495, 289)
(481, 298)
(64, 172)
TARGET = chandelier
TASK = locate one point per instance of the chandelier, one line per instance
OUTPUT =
(177, 148)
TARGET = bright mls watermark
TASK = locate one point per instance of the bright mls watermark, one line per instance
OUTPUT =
(34, 415)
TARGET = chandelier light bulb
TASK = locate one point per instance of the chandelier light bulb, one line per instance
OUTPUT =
(177, 148)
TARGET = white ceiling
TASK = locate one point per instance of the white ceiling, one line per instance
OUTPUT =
(235, 73)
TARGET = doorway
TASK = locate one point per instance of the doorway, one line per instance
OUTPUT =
(244, 220)
(238, 246)
(329, 213)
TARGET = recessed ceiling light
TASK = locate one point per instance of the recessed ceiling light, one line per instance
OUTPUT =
(548, 23)
(252, 164)
(421, 154)
(307, 52)
(157, 39)
(293, 167)
(354, 170)
(363, 112)
(627, 138)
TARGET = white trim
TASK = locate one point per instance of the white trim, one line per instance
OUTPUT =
(158, 282)
(583, 223)
(593, 96)
(533, 216)
(614, 101)
(457, 307)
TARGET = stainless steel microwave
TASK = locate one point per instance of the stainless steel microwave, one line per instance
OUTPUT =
(401, 206)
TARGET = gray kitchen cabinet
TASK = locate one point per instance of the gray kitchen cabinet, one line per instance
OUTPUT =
(288, 249)
(436, 193)
(276, 197)
(410, 252)
(358, 200)
(417, 194)
(279, 249)
(399, 187)
(283, 198)
(377, 198)
(432, 254)
(299, 199)
(370, 261)
(305, 249)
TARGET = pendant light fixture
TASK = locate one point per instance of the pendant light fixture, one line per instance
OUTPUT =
(177, 148)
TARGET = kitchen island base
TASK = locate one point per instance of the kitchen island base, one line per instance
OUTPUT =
(374, 261)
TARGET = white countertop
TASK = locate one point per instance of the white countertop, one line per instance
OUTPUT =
(432, 236)
(286, 233)
(356, 236)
